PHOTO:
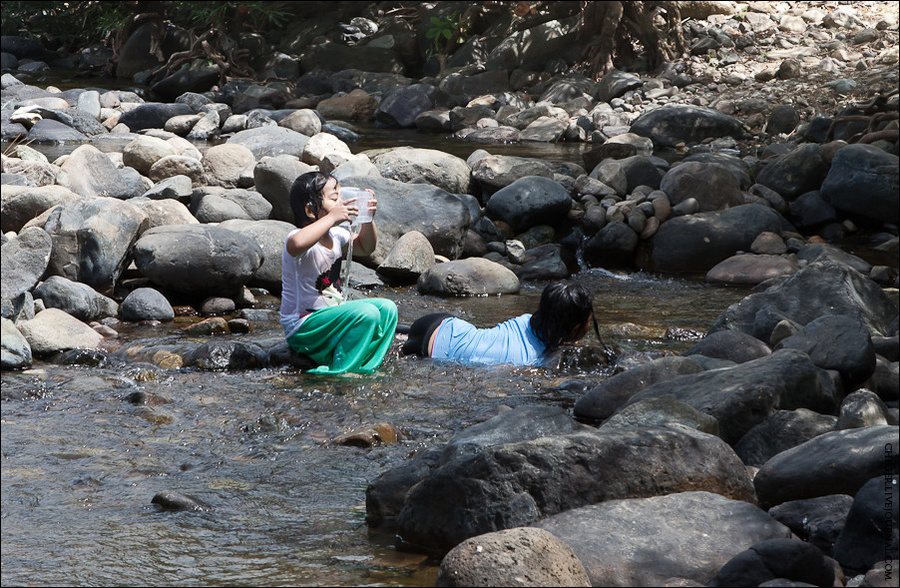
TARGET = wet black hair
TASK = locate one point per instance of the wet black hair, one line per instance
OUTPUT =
(564, 306)
(307, 191)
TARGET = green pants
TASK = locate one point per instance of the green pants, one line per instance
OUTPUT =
(351, 337)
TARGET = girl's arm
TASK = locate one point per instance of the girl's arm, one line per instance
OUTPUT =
(306, 237)
(365, 241)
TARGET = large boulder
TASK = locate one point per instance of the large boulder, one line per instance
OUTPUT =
(838, 462)
(92, 240)
(270, 236)
(89, 172)
(226, 164)
(872, 530)
(670, 125)
(498, 171)
(25, 259)
(408, 164)
(783, 430)
(532, 47)
(712, 185)
(742, 396)
(442, 217)
(864, 180)
(198, 260)
(697, 242)
(400, 107)
(528, 202)
(16, 353)
(819, 289)
(796, 172)
(835, 342)
(152, 115)
(780, 559)
(520, 483)
(473, 276)
(686, 537)
(273, 178)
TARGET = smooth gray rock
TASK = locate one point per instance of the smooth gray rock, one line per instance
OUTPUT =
(78, 300)
(54, 330)
(407, 164)
(146, 304)
(270, 141)
(731, 345)
(839, 462)
(647, 541)
(783, 430)
(872, 530)
(863, 408)
(270, 236)
(468, 277)
(670, 125)
(530, 201)
(816, 520)
(864, 180)
(16, 352)
(839, 343)
(25, 259)
(273, 178)
(788, 559)
(89, 172)
(796, 172)
(711, 184)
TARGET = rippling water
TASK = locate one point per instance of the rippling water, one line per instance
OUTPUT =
(81, 464)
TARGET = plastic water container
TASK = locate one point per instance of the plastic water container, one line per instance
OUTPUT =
(362, 202)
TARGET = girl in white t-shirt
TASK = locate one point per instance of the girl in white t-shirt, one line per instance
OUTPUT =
(340, 336)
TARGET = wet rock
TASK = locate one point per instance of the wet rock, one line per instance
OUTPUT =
(400, 107)
(816, 520)
(871, 532)
(197, 259)
(468, 277)
(783, 430)
(526, 556)
(358, 105)
(818, 252)
(78, 300)
(227, 355)
(790, 559)
(698, 242)
(152, 115)
(51, 131)
(670, 125)
(688, 535)
(606, 398)
(657, 412)
(751, 269)
(518, 484)
(377, 434)
(819, 289)
(864, 180)
(742, 396)
(546, 262)
(171, 500)
(16, 350)
(144, 304)
(386, 494)
(54, 330)
(529, 201)
(210, 327)
(613, 246)
(839, 462)
(498, 171)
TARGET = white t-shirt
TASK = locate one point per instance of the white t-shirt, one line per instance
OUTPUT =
(304, 278)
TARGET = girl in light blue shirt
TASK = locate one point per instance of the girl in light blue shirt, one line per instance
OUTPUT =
(562, 316)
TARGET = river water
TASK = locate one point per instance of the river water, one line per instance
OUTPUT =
(81, 463)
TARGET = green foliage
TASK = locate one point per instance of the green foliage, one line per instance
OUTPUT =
(64, 24)
(443, 32)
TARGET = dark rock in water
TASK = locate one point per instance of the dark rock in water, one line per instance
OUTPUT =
(815, 252)
(816, 520)
(711, 184)
(839, 462)
(796, 172)
(789, 559)
(87, 357)
(602, 401)
(227, 355)
(386, 494)
(152, 115)
(837, 343)
(824, 288)
(649, 541)
(670, 125)
(400, 107)
(51, 131)
(783, 430)
(809, 210)
(697, 242)
(612, 246)
(530, 201)
(171, 500)
(746, 394)
(872, 531)
(144, 304)
(864, 180)
(737, 166)
(517, 484)
(731, 345)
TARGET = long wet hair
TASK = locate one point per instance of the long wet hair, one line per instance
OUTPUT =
(564, 307)
(307, 191)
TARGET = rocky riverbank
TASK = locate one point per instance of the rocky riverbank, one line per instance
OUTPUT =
(770, 441)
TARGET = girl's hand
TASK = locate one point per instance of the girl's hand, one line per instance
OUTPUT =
(342, 211)
(373, 203)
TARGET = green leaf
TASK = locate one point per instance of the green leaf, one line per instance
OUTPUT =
(448, 34)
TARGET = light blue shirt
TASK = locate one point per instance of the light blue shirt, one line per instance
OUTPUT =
(512, 341)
